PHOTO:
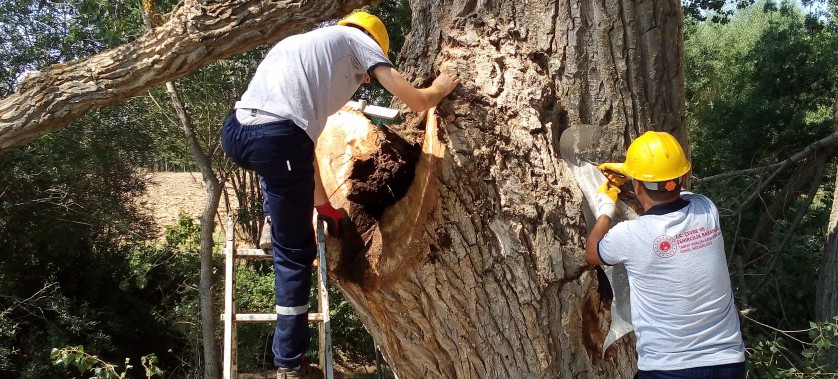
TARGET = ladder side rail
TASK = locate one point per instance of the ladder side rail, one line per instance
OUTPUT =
(325, 329)
(229, 360)
(230, 318)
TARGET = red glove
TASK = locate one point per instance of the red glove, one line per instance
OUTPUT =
(333, 217)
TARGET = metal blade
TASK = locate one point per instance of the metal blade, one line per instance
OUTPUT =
(578, 143)
(373, 110)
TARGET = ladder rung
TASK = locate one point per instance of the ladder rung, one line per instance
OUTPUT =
(268, 317)
(252, 254)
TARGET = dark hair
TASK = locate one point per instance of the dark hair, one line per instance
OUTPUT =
(662, 191)
(361, 29)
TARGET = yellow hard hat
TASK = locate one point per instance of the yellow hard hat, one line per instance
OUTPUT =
(656, 157)
(372, 25)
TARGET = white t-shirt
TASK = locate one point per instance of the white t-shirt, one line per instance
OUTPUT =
(308, 77)
(681, 300)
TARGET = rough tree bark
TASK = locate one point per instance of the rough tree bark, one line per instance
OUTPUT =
(476, 269)
(197, 34)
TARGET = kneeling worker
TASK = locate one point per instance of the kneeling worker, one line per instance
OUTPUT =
(302, 81)
(682, 305)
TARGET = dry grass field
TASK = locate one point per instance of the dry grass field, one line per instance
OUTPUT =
(173, 192)
(170, 193)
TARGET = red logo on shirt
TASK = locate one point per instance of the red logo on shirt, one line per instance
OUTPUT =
(665, 246)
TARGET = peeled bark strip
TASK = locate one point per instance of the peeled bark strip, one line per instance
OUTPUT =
(478, 270)
(197, 34)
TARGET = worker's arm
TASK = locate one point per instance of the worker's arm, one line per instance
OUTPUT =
(320, 196)
(418, 99)
(603, 224)
(325, 210)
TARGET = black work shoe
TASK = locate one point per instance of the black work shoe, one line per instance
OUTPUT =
(303, 371)
(265, 235)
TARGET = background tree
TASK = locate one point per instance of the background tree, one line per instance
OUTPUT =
(68, 206)
(762, 132)
(213, 183)
(68, 245)
(827, 302)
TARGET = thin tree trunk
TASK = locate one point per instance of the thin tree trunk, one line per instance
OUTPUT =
(214, 189)
(826, 305)
(478, 271)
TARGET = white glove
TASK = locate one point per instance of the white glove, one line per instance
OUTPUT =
(606, 200)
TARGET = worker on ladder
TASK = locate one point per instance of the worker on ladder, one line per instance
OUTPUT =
(302, 81)
(681, 300)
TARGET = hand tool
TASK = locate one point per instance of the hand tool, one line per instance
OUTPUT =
(575, 145)
(373, 110)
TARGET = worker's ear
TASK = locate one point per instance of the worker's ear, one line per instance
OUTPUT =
(638, 187)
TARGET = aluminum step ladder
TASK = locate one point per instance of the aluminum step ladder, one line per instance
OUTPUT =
(231, 318)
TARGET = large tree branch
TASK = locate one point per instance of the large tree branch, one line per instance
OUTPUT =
(826, 142)
(777, 207)
(792, 228)
(826, 145)
(197, 34)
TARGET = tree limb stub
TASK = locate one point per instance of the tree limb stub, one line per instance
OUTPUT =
(389, 187)
(197, 34)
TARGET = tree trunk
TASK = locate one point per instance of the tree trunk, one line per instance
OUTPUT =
(197, 34)
(827, 301)
(477, 269)
(214, 189)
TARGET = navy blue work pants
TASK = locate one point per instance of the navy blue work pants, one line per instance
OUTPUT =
(728, 371)
(283, 154)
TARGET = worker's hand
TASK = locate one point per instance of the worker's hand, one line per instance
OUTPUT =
(446, 83)
(333, 217)
(614, 173)
(606, 200)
